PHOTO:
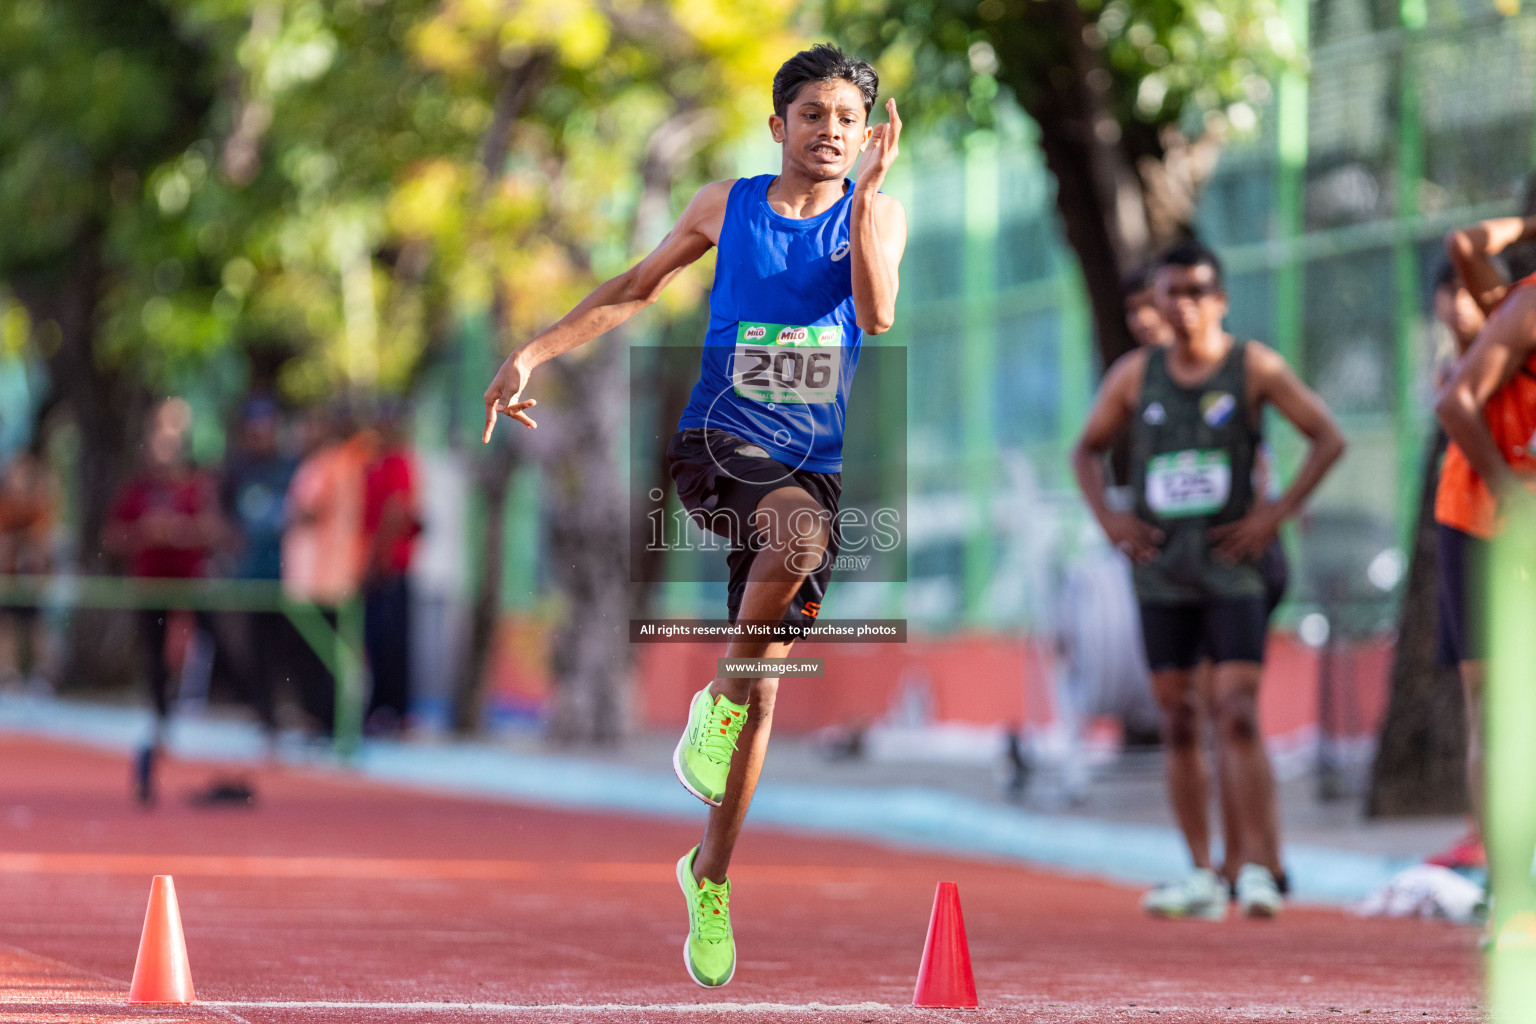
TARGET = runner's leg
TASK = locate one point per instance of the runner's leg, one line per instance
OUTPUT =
(1231, 825)
(1184, 758)
(1472, 673)
(724, 823)
(1244, 765)
(795, 538)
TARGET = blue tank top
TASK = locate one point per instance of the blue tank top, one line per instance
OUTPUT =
(783, 342)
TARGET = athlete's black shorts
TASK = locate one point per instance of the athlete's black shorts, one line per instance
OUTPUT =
(720, 480)
(1275, 570)
(1221, 629)
(1461, 561)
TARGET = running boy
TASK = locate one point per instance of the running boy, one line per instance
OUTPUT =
(1196, 534)
(807, 265)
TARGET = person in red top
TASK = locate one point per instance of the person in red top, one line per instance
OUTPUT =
(29, 502)
(1489, 411)
(390, 526)
(164, 523)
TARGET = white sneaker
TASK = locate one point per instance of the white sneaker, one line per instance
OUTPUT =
(1257, 893)
(1200, 894)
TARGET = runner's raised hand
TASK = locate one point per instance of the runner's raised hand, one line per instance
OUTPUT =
(505, 396)
(880, 153)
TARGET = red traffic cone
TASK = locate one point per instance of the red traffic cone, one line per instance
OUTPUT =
(162, 974)
(944, 978)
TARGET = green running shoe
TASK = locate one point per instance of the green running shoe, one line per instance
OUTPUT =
(702, 759)
(709, 952)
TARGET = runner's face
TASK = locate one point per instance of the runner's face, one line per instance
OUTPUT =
(1146, 324)
(1191, 300)
(1455, 307)
(824, 129)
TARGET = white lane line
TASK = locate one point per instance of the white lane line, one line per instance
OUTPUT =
(84, 999)
(325, 1004)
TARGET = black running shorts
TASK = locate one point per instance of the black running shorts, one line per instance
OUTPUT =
(1275, 569)
(721, 479)
(1221, 629)
(1461, 578)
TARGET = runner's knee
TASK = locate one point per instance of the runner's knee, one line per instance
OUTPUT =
(1237, 716)
(796, 534)
(1181, 726)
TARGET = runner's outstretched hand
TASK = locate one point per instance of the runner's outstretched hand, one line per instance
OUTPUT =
(881, 151)
(505, 396)
(1246, 539)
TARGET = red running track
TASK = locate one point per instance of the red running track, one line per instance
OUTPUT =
(338, 900)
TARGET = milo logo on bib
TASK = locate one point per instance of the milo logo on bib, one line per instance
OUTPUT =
(787, 363)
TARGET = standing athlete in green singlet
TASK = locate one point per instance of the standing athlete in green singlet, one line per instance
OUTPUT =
(1196, 535)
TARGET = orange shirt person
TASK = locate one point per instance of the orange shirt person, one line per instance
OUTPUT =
(1489, 411)
(323, 546)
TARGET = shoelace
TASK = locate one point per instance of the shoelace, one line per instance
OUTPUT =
(721, 727)
(712, 913)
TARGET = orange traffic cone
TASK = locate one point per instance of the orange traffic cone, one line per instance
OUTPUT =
(162, 974)
(944, 978)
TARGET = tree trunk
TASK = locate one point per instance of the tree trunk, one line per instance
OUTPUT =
(494, 476)
(588, 507)
(1099, 200)
(494, 466)
(587, 503)
(107, 409)
(1420, 763)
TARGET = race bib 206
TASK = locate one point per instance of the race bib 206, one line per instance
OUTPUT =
(1189, 483)
(788, 364)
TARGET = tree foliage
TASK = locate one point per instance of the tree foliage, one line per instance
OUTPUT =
(1132, 99)
(310, 176)
(327, 189)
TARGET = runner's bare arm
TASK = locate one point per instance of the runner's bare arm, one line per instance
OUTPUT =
(1470, 248)
(609, 304)
(1276, 383)
(877, 231)
(1112, 412)
(1504, 346)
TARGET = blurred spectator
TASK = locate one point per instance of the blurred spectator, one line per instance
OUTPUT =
(1460, 316)
(322, 552)
(390, 527)
(1142, 318)
(29, 498)
(252, 495)
(164, 523)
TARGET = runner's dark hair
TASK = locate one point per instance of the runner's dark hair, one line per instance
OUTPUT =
(1190, 254)
(823, 63)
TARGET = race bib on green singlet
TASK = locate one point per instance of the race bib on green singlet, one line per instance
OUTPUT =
(1189, 483)
(788, 364)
